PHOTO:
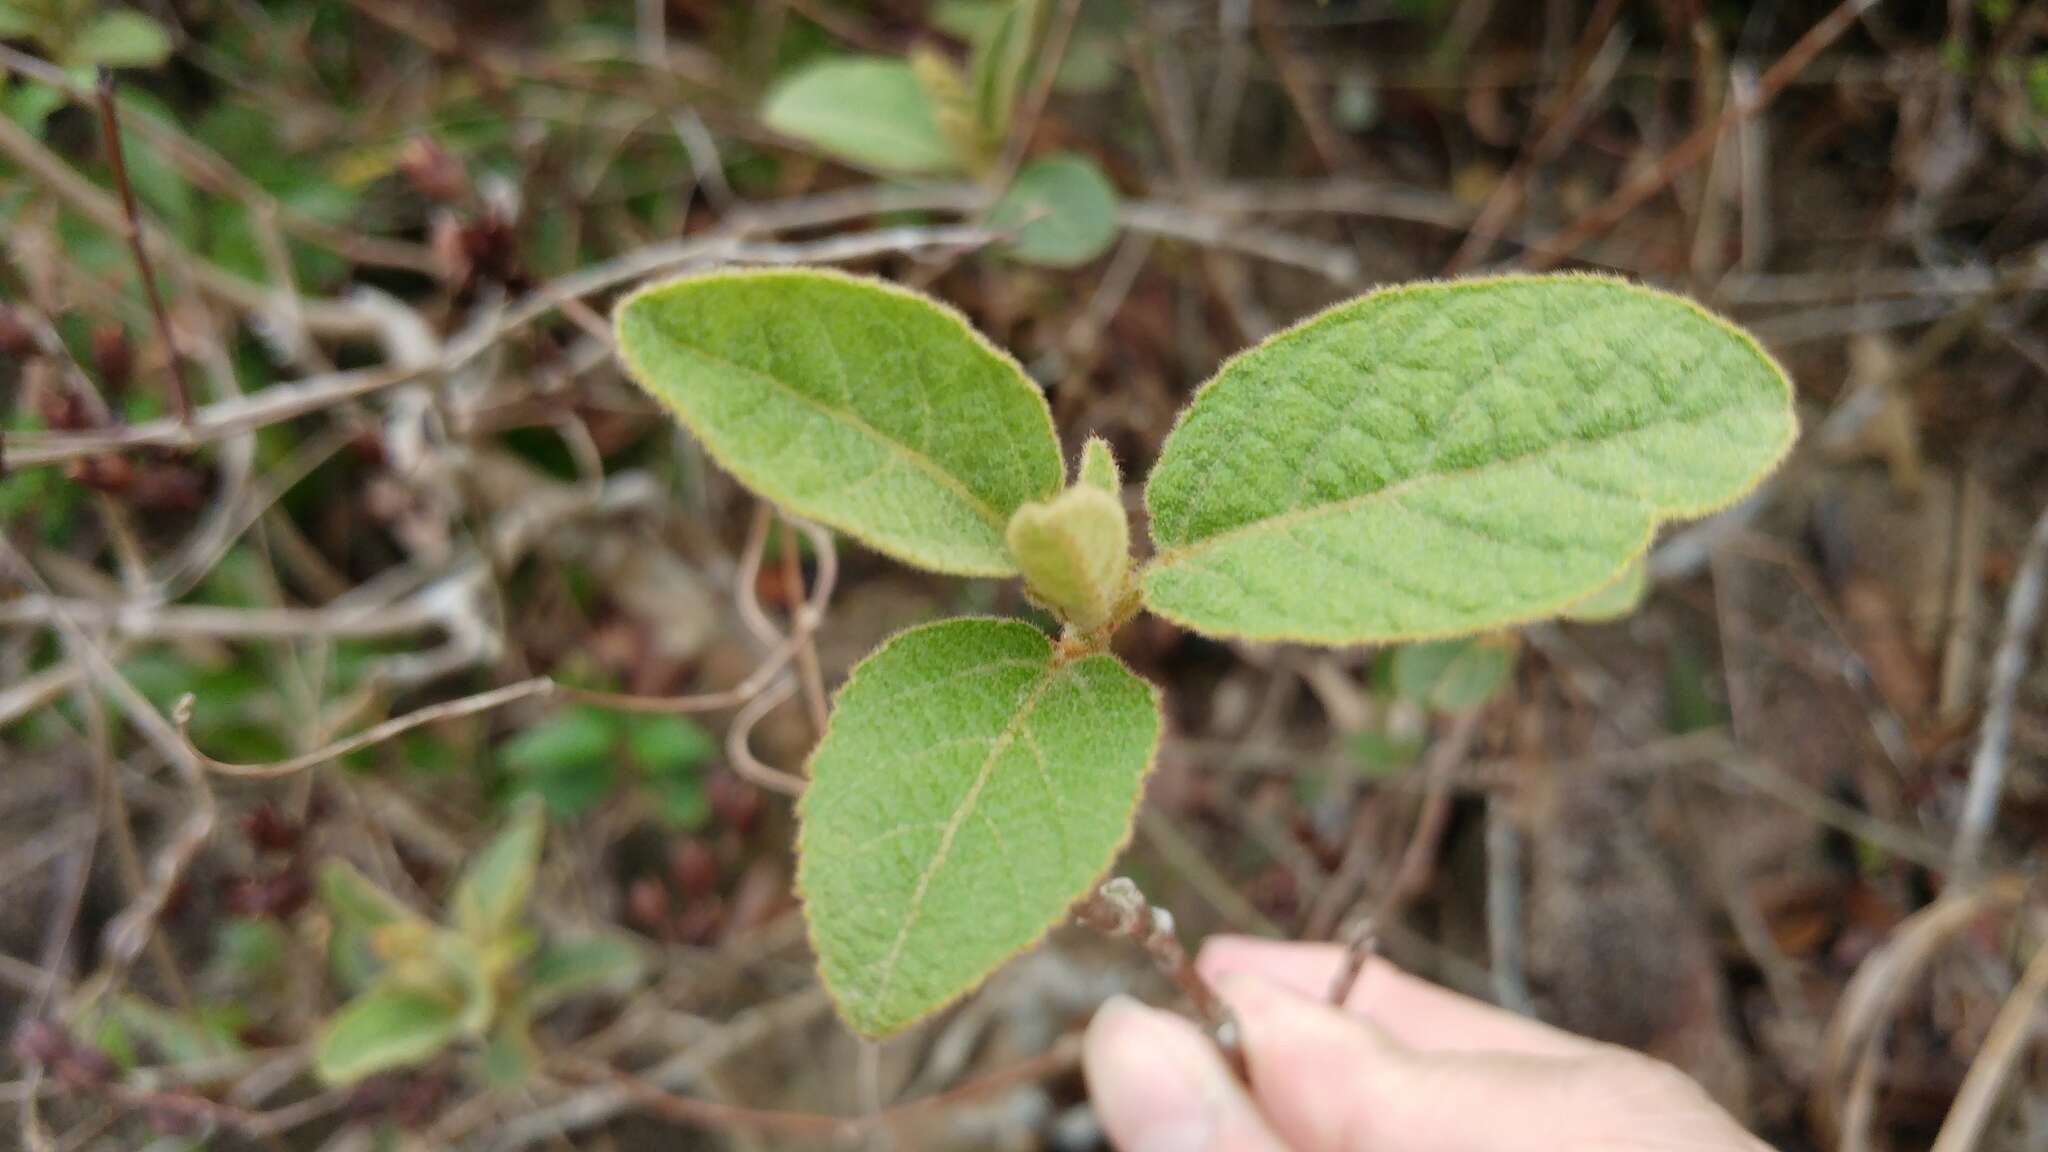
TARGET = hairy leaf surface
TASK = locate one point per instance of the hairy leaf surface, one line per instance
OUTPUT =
(1617, 599)
(971, 786)
(1446, 458)
(857, 404)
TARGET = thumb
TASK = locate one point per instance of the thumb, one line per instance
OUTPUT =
(1161, 1086)
(1329, 1082)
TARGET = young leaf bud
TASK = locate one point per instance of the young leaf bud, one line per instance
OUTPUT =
(1074, 551)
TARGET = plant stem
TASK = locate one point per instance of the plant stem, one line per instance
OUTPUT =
(131, 230)
(1119, 910)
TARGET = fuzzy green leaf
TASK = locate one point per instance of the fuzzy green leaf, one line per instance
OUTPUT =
(869, 111)
(1098, 467)
(1062, 210)
(971, 786)
(854, 403)
(1616, 600)
(1074, 550)
(1448, 458)
(384, 1028)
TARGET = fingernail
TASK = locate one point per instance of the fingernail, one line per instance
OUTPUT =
(1151, 1096)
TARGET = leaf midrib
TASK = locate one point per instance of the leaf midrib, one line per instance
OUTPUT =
(1292, 516)
(917, 459)
(960, 816)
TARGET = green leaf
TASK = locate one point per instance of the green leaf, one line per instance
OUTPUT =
(565, 968)
(30, 105)
(945, 90)
(1616, 600)
(1001, 60)
(120, 39)
(17, 22)
(969, 20)
(851, 402)
(681, 798)
(1443, 459)
(360, 910)
(1063, 211)
(491, 894)
(570, 738)
(568, 760)
(355, 901)
(1074, 551)
(510, 1054)
(971, 785)
(869, 111)
(1098, 467)
(1382, 755)
(384, 1028)
(668, 743)
(179, 1038)
(1453, 675)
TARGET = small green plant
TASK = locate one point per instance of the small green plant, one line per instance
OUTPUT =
(571, 762)
(924, 116)
(1425, 462)
(481, 975)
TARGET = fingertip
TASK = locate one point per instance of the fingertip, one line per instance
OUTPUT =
(1412, 1010)
(1159, 1085)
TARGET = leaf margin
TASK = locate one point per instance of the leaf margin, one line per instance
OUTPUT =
(1656, 520)
(942, 308)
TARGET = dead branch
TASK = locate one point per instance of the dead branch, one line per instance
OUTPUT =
(2008, 667)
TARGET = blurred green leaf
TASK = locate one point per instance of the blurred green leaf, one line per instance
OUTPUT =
(1689, 691)
(1453, 675)
(669, 751)
(491, 894)
(17, 22)
(569, 760)
(609, 962)
(510, 1055)
(681, 798)
(247, 950)
(1063, 210)
(387, 1027)
(120, 39)
(30, 104)
(1382, 755)
(869, 111)
(667, 743)
(1001, 61)
(570, 738)
(356, 902)
(178, 1038)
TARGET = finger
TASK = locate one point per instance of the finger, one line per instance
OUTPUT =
(1331, 1082)
(1160, 1086)
(1413, 1011)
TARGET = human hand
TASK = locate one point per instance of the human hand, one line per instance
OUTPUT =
(1405, 1066)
